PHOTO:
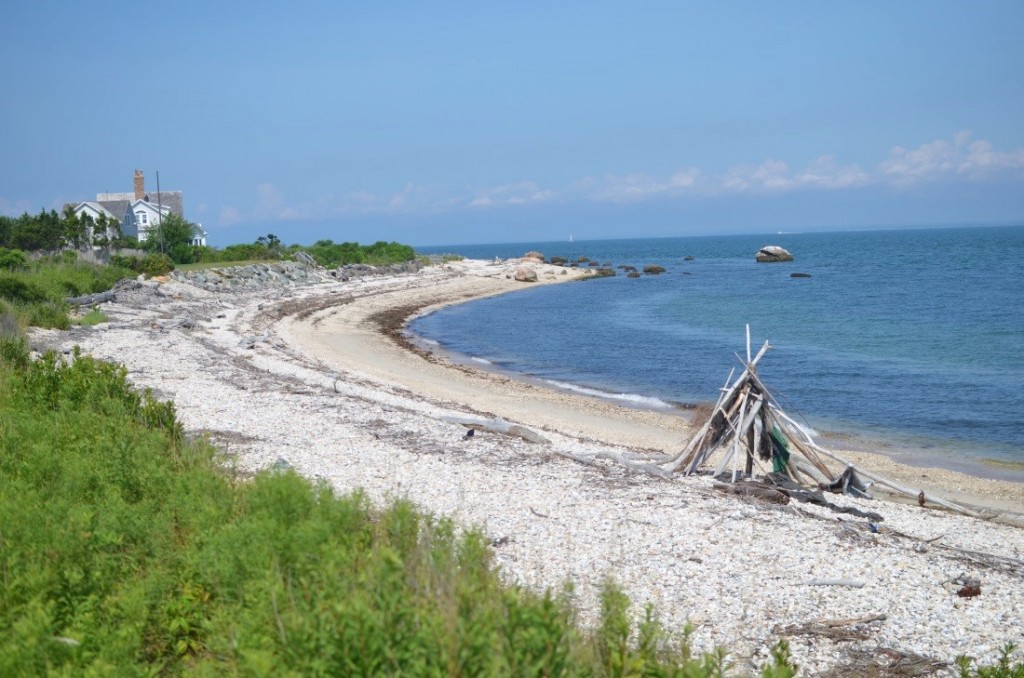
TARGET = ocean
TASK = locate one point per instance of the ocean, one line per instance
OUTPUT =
(909, 342)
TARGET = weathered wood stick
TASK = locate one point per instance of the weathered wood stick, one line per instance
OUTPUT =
(852, 583)
(499, 426)
(649, 469)
(90, 299)
(834, 623)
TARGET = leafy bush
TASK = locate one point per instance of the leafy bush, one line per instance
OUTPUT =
(152, 264)
(331, 255)
(20, 291)
(12, 259)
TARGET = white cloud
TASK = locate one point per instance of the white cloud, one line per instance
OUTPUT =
(942, 159)
(635, 187)
(519, 193)
(959, 157)
(826, 173)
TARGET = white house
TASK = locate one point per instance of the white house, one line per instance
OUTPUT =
(143, 216)
(139, 212)
(95, 212)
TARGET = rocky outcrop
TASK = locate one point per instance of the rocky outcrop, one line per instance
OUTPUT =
(349, 271)
(248, 277)
(653, 269)
(559, 261)
(526, 274)
(773, 253)
(534, 256)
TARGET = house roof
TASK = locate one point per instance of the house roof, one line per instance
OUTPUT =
(117, 203)
(115, 207)
(171, 199)
(165, 209)
(95, 206)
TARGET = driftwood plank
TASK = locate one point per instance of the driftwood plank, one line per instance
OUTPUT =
(90, 299)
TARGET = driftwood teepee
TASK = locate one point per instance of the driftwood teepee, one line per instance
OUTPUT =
(750, 435)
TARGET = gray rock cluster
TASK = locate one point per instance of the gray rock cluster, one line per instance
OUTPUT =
(250, 276)
(349, 271)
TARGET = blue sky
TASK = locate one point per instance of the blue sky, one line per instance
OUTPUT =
(448, 123)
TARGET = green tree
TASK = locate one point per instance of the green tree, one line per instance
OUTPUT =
(173, 237)
(44, 231)
(76, 230)
(6, 231)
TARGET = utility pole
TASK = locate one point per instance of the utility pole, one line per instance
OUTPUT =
(160, 212)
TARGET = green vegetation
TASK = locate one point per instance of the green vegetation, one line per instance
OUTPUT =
(173, 238)
(1003, 668)
(151, 264)
(93, 317)
(51, 231)
(331, 254)
(126, 549)
(33, 292)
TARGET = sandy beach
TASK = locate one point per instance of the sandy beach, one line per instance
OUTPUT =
(322, 379)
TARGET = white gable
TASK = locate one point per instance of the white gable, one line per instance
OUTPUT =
(92, 209)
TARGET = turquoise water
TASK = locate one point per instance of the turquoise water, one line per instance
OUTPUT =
(912, 337)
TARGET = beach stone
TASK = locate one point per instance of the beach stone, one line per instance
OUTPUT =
(772, 254)
(535, 256)
(526, 274)
(653, 269)
(304, 258)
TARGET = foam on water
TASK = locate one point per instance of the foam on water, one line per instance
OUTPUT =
(631, 399)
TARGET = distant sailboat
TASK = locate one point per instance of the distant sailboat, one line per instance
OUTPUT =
(570, 237)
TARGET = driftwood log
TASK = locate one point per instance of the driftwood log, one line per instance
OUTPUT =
(91, 299)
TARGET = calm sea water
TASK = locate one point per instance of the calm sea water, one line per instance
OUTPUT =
(913, 339)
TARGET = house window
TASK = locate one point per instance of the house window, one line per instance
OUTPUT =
(141, 217)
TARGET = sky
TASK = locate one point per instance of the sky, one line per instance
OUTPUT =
(469, 122)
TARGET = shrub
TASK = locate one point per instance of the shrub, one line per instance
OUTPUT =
(19, 291)
(152, 264)
(156, 264)
(12, 259)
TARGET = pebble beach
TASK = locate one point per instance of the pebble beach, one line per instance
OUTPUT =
(315, 373)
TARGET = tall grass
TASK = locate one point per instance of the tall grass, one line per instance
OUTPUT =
(33, 292)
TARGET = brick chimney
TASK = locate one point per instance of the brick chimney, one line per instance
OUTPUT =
(140, 185)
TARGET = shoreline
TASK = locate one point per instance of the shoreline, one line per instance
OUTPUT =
(372, 416)
(848, 439)
(400, 360)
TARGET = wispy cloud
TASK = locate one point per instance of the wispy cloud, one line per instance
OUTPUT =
(958, 158)
(519, 193)
(944, 159)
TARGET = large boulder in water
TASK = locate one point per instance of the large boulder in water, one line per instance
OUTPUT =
(653, 269)
(526, 274)
(773, 253)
